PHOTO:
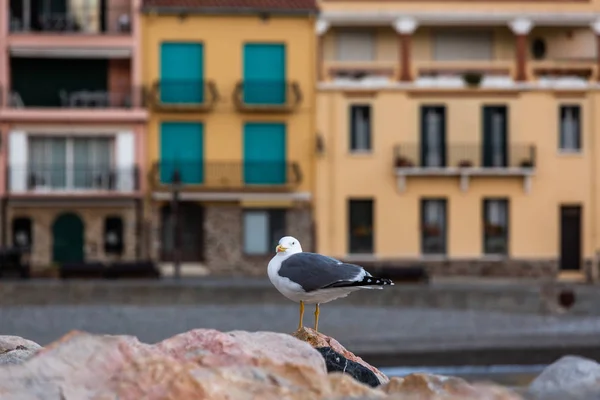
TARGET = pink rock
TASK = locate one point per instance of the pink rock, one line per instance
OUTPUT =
(200, 364)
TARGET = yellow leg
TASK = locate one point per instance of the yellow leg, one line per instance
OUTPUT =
(301, 314)
(317, 317)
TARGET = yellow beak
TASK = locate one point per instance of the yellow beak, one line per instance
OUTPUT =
(281, 249)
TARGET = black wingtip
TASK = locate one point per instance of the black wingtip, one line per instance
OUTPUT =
(366, 281)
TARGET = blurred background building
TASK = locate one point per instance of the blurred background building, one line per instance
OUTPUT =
(454, 135)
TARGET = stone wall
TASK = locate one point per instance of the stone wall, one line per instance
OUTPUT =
(223, 236)
(42, 219)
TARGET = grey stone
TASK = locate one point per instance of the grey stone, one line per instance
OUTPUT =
(571, 377)
(336, 362)
(17, 356)
(15, 349)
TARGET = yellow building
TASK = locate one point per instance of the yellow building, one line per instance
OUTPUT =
(459, 135)
(232, 119)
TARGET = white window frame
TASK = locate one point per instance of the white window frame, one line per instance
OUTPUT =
(69, 157)
(362, 130)
(569, 130)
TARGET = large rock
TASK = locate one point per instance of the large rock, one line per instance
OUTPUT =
(338, 359)
(200, 364)
(571, 377)
(206, 364)
(436, 387)
(15, 350)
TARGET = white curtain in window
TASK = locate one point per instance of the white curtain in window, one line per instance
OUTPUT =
(362, 129)
(497, 139)
(569, 129)
(433, 213)
(434, 132)
(496, 213)
(256, 232)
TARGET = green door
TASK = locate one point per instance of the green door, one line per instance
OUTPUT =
(264, 153)
(67, 234)
(264, 73)
(181, 73)
(182, 148)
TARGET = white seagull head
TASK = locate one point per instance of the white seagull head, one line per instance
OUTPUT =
(288, 245)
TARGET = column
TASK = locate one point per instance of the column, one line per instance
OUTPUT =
(321, 27)
(136, 53)
(405, 27)
(596, 28)
(4, 54)
(521, 28)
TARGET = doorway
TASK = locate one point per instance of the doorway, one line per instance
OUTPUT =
(191, 225)
(570, 238)
(68, 238)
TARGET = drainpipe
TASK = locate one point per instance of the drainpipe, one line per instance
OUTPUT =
(593, 186)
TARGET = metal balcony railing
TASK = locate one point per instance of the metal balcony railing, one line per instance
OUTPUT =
(121, 97)
(511, 156)
(268, 96)
(220, 176)
(60, 178)
(183, 95)
(74, 20)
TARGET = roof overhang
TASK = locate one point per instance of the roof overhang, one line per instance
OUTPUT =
(178, 11)
(471, 18)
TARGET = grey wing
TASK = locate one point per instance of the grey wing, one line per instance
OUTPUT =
(315, 271)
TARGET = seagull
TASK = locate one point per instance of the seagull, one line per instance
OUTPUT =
(314, 278)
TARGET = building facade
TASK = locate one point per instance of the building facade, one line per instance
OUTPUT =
(73, 129)
(460, 135)
(231, 129)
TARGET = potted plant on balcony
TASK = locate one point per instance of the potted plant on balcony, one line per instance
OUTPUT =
(526, 164)
(472, 79)
(431, 230)
(465, 164)
(403, 162)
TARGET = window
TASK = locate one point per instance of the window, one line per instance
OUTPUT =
(360, 216)
(22, 234)
(433, 226)
(262, 230)
(356, 45)
(495, 226)
(70, 163)
(454, 45)
(495, 136)
(433, 136)
(570, 128)
(360, 128)
(113, 235)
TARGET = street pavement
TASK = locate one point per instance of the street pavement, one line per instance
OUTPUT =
(367, 329)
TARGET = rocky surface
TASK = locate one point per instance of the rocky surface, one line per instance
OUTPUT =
(338, 359)
(207, 364)
(14, 349)
(569, 378)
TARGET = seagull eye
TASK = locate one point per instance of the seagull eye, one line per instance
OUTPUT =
(293, 243)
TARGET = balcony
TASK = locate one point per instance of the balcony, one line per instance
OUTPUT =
(360, 72)
(460, 74)
(116, 104)
(183, 96)
(228, 176)
(566, 73)
(267, 96)
(71, 179)
(465, 161)
(39, 27)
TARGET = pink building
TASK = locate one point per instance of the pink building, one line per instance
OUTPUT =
(72, 128)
